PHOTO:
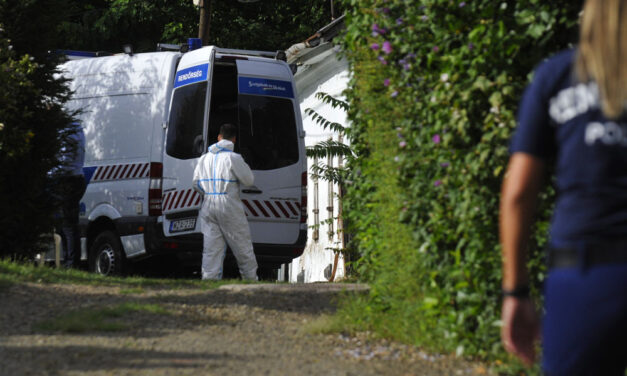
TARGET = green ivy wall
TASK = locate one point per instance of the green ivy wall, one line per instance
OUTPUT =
(433, 100)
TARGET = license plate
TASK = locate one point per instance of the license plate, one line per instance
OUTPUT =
(180, 225)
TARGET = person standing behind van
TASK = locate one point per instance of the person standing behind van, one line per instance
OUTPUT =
(574, 115)
(217, 177)
(69, 187)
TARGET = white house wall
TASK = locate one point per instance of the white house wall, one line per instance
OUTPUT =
(329, 76)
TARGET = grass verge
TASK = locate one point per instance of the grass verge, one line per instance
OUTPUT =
(97, 320)
(14, 272)
(328, 324)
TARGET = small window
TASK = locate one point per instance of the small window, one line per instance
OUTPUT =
(267, 132)
(185, 129)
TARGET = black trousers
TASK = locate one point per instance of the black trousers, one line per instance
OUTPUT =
(69, 190)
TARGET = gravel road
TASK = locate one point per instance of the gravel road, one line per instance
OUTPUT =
(257, 329)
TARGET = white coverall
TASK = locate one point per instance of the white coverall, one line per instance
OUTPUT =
(218, 176)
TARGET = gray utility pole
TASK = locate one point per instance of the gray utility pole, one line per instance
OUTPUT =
(205, 21)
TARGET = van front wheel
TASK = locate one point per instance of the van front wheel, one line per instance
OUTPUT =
(106, 255)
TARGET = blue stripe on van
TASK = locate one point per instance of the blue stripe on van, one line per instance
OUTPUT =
(89, 172)
(262, 86)
(190, 75)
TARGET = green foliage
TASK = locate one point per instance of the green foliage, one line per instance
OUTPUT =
(106, 25)
(266, 25)
(31, 25)
(334, 102)
(435, 89)
(31, 120)
(323, 122)
(330, 148)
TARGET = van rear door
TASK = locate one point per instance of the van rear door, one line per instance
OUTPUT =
(258, 95)
(186, 140)
(270, 142)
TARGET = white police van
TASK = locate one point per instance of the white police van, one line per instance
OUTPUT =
(148, 118)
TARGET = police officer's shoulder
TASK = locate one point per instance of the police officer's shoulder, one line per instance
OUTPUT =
(552, 65)
(552, 72)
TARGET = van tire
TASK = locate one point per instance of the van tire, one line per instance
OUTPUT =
(106, 256)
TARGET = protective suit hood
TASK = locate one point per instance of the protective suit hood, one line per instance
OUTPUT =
(220, 146)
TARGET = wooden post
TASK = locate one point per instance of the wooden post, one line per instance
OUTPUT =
(205, 21)
(57, 250)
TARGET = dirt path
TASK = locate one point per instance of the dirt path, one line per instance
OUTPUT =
(233, 330)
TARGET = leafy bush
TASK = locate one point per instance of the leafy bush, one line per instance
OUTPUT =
(435, 88)
(265, 25)
(31, 117)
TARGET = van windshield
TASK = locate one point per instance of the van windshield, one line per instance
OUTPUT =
(185, 128)
(267, 132)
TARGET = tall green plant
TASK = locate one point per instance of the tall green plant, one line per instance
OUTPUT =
(332, 149)
(433, 98)
(329, 148)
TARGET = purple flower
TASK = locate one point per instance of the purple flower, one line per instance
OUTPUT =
(399, 21)
(462, 4)
(377, 29)
(402, 61)
(387, 47)
(436, 139)
(397, 158)
(406, 66)
(399, 135)
(437, 183)
(444, 164)
(424, 18)
(386, 10)
(402, 144)
(375, 46)
(386, 82)
(436, 48)
(382, 60)
(471, 46)
(394, 94)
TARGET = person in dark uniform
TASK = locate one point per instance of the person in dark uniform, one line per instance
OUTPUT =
(69, 187)
(573, 115)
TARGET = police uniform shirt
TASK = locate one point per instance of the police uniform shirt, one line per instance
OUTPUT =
(560, 120)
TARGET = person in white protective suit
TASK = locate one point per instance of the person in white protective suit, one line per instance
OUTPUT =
(217, 177)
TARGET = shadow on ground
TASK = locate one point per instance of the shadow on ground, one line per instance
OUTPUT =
(30, 304)
(95, 358)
